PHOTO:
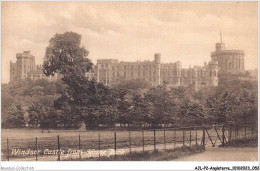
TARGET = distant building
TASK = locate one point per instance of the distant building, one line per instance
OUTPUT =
(24, 64)
(228, 60)
(111, 71)
(25, 67)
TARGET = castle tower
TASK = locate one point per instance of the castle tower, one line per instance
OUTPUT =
(220, 46)
(213, 73)
(178, 75)
(25, 63)
(228, 60)
(157, 61)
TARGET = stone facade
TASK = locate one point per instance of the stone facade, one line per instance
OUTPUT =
(111, 71)
(25, 63)
(228, 60)
(25, 67)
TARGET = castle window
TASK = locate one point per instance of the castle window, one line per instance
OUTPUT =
(139, 67)
(125, 67)
(132, 67)
(138, 73)
(132, 74)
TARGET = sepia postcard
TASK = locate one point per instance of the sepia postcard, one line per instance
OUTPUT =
(95, 81)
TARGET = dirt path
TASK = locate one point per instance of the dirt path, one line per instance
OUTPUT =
(224, 154)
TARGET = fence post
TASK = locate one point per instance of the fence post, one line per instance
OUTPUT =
(190, 136)
(36, 149)
(115, 143)
(58, 148)
(99, 145)
(130, 141)
(79, 148)
(183, 137)
(245, 132)
(164, 139)
(223, 135)
(7, 149)
(143, 139)
(174, 138)
(154, 140)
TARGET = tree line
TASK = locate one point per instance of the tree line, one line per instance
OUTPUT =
(75, 100)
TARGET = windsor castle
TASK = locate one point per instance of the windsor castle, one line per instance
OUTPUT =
(112, 71)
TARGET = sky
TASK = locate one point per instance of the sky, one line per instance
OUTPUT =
(131, 31)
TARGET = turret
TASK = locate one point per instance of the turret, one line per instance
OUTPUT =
(213, 73)
(220, 46)
(157, 60)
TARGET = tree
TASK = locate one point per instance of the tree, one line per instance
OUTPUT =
(132, 85)
(66, 57)
(192, 112)
(163, 107)
(220, 106)
(37, 115)
(15, 118)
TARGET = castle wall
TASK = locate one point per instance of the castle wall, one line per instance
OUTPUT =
(111, 71)
(13, 71)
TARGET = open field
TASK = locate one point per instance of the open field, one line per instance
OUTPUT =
(69, 139)
(129, 141)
